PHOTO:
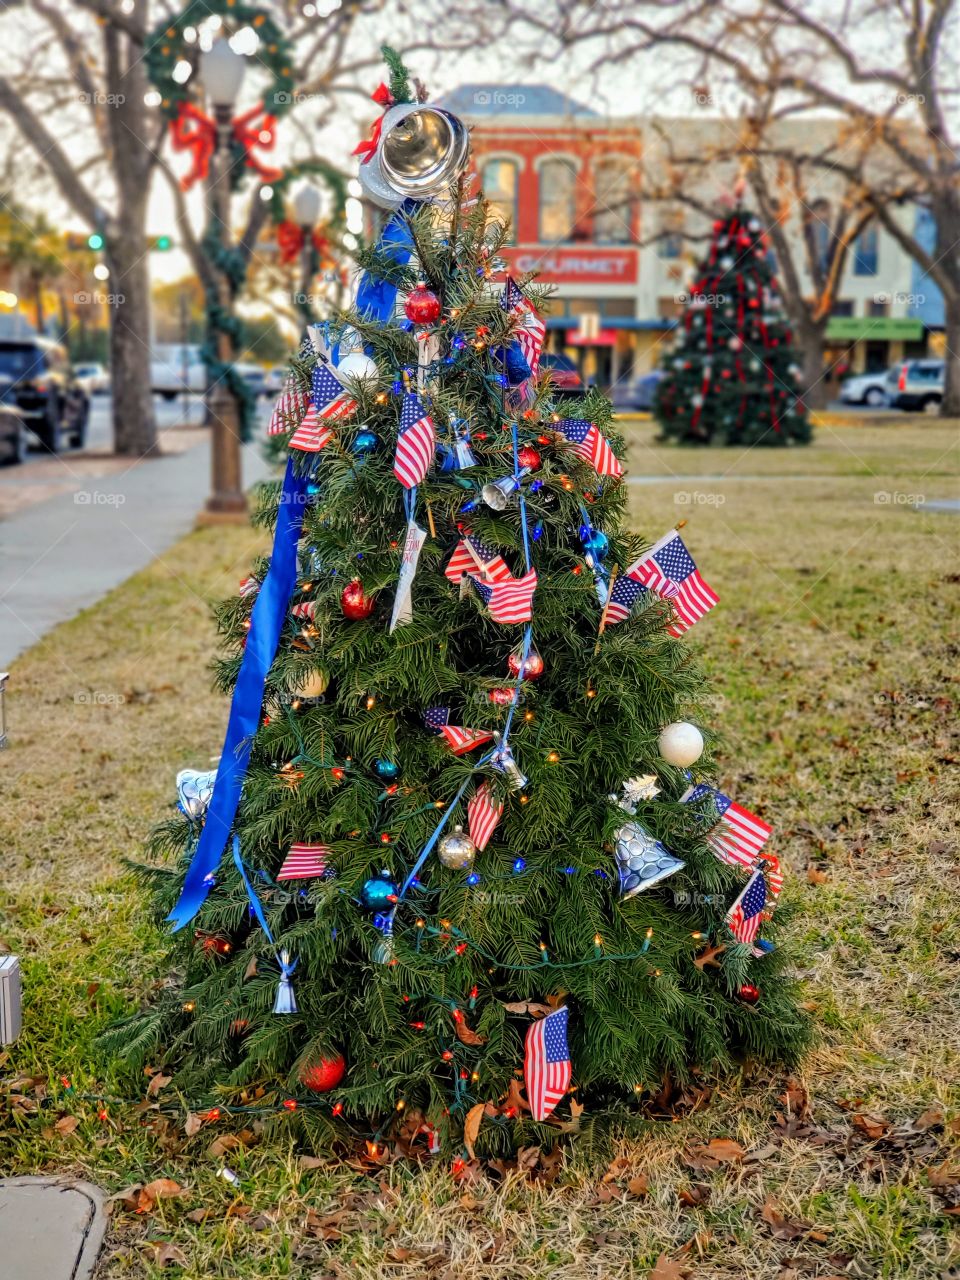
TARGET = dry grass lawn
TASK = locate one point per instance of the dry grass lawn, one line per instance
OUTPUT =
(835, 657)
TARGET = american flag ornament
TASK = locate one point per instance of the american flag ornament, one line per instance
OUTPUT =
(547, 1069)
(590, 444)
(771, 869)
(739, 835)
(289, 409)
(625, 594)
(329, 401)
(459, 739)
(483, 814)
(416, 442)
(477, 558)
(306, 609)
(512, 600)
(531, 330)
(669, 571)
(249, 587)
(304, 861)
(746, 915)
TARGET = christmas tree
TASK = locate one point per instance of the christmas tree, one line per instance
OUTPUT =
(453, 862)
(731, 375)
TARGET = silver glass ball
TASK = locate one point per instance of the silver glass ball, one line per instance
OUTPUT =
(457, 851)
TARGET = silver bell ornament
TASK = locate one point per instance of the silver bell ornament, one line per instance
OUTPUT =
(423, 150)
(457, 851)
(642, 861)
(194, 789)
(498, 493)
(503, 761)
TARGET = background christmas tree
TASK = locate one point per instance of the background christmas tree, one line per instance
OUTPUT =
(355, 960)
(731, 375)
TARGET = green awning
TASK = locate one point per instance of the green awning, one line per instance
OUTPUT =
(874, 328)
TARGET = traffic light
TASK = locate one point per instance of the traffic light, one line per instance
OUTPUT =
(161, 243)
(95, 240)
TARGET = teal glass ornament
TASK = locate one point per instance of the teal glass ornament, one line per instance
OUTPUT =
(378, 894)
(387, 770)
(365, 442)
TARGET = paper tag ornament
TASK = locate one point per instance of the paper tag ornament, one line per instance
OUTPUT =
(403, 600)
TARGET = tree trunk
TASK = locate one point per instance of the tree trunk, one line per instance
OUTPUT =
(809, 339)
(950, 406)
(134, 424)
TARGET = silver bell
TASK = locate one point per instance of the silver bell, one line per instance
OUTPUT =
(503, 761)
(642, 861)
(498, 493)
(423, 150)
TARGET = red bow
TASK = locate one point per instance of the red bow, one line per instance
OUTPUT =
(201, 140)
(368, 146)
(290, 241)
(263, 134)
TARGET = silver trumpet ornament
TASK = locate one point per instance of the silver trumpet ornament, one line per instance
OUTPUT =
(642, 861)
(498, 493)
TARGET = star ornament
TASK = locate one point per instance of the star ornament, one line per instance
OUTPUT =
(641, 788)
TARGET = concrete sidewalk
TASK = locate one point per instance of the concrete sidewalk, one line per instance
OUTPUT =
(62, 555)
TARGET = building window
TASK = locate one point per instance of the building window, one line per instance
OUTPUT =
(865, 253)
(612, 203)
(821, 233)
(558, 181)
(500, 181)
(670, 235)
(843, 307)
(878, 307)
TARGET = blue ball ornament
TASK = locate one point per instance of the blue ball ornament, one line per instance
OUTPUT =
(386, 769)
(378, 894)
(597, 544)
(365, 442)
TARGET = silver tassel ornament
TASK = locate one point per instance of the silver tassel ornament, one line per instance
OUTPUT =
(286, 1001)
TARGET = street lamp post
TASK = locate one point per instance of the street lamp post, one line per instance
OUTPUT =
(306, 210)
(221, 72)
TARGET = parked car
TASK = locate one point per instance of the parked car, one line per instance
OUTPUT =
(176, 369)
(37, 381)
(637, 394)
(867, 388)
(13, 436)
(916, 384)
(563, 374)
(255, 378)
(93, 378)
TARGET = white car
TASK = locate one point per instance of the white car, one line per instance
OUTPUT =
(92, 377)
(866, 388)
(177, 369)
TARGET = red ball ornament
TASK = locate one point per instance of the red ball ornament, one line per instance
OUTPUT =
(422, 306)
(529, 457)
(532, 668)
(354, 603)
(501, 697)
(748, 993)
(322, 1076)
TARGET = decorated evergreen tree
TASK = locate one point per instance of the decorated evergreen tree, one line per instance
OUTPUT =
(465, 868)
(731, 375)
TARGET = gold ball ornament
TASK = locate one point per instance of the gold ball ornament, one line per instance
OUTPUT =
(457, 851)
(313, 685)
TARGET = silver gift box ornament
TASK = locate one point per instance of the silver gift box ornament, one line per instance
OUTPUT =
(642, 861)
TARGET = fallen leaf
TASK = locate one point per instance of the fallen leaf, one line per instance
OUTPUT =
(464, 1034)
(159, 1189)
(696, 1194)
(782, 1227)
(944, 1175)
(795, 1098)
(816, 876)
(166, 1254)
(709, 956)
(873, 1126)
(127, 1198)
(469, 1203)
(638, 1186)
(932, 1118)
(192, 1124)
(251, 970)
(66, 1125)
(526, 1006)
(723, 1149)
(311, 1162)
(667, 1269)
(471, 1126)
(197, 1215)
(616, 1169)
(157, 1083)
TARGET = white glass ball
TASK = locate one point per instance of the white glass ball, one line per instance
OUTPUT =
(681, 744)
(360, 366)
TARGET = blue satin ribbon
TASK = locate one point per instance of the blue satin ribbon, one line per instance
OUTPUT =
(376, 298)
(266, 624)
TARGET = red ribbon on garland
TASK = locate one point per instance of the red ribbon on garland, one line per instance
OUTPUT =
(290, 240)
(367, 147)
(194, 131)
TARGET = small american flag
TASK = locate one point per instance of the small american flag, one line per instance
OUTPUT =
(304, 861)
(477, 558)
(459, 739)
(329, 401)
(305, 610)
(416, 443)
(773, 873)
(739, 834)
(590, 444)
(249, 586)
(483, 814)
(289, 410)
(512, 600)
(546, 1063)
(746, 915)
(625, 594)
(668, 570)
(531, 330)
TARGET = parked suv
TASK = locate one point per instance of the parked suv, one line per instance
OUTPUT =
(563, 374)
(916, 384)
(36, 380)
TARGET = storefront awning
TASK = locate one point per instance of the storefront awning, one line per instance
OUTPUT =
(874, 329)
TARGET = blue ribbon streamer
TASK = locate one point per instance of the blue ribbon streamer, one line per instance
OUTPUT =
(376, 298)
(255, 902)
(266, 624)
